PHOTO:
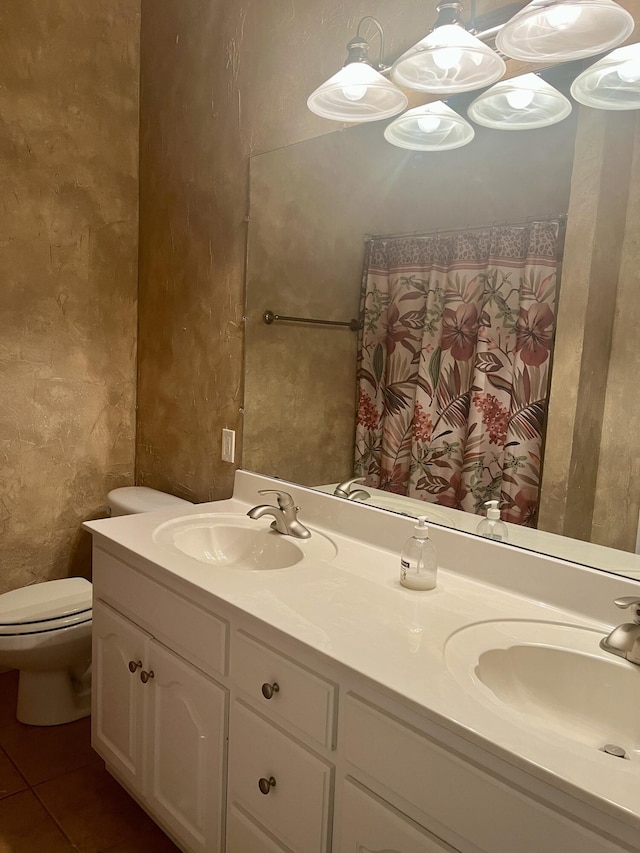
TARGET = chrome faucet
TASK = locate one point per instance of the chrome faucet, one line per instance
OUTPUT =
(624, 640)
(285, 514)
(344, 490)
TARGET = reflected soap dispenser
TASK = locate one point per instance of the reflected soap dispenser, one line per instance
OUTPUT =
(418, 561)
(492, 526)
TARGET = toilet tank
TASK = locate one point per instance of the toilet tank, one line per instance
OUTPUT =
(128, 500)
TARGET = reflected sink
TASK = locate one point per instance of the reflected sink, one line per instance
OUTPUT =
(233, 540)
(551, 676)
(398, 503)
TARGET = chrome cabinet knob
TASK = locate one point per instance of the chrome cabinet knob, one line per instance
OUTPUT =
(266, 785)
(133, 665)
(145, 676)
(269, 689)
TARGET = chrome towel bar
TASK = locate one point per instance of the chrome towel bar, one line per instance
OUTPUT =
(269, 317)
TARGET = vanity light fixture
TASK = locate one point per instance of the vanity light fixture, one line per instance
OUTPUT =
(612, 83)
(522, 103)
(358, 92)
(564, 30)
(449, 59)
(433, 127)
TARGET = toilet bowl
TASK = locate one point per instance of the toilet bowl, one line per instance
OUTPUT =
(45, 631)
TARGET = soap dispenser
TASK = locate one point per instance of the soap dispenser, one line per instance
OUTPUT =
(418, 563)
(492, 526)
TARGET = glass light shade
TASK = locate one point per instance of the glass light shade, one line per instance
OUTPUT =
(357, 93)
(448, 60)
(612, 83)
(523, 103)
(433, 127)
(564, 30)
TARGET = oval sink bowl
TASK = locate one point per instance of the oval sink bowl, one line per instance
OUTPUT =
(552, 676)
(233, 540)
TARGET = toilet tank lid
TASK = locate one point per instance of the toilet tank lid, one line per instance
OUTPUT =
(46, 600)
(132, 499)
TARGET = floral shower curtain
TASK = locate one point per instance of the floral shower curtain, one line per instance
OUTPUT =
(453, 371)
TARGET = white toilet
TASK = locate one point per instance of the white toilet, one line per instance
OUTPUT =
(45, 631)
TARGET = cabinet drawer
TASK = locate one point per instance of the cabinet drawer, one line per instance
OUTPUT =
(303, 699)
(473, 804)
(192, 632)
(244, 836)
(297, 808)
(368, 825)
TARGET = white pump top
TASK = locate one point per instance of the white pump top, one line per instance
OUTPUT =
(492, 512)
(421, 530)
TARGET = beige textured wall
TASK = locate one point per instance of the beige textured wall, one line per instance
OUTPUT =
(311, 205)
(192, 210)
(68, 230)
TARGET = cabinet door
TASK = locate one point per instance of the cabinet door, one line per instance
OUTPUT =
(116, 698)
(369, 825)
(185, 739)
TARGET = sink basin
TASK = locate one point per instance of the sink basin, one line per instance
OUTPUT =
(233, 540)
(551, 676)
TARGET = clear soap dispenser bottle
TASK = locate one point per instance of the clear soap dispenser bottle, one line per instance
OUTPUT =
(492, 526)
(418, 562)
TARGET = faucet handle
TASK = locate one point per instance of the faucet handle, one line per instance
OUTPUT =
(629, 601)
(343, 490)
(285, 501)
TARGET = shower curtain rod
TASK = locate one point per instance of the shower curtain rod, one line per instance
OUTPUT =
(269, 317)
(561, 217)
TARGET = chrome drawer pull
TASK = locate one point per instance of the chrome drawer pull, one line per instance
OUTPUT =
(145, 676)
(133, 665)
(268, 690)
(266, 785)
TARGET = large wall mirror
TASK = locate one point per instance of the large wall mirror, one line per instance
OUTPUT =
(312, 206)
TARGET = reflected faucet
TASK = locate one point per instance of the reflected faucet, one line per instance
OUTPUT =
(344, 490)
(285, 514)
(624, 640)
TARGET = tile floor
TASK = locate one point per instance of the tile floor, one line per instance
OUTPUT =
(56, 796)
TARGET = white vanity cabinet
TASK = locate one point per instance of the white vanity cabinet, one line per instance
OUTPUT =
(159, 723)
(319, 759)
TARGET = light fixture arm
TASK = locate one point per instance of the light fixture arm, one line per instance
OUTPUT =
(449, 12)
(358, 47)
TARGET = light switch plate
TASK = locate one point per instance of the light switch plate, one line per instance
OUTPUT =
(228, 445)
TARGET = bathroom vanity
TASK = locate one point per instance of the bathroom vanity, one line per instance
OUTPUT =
(316, 705)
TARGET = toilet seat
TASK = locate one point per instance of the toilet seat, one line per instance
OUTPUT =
(45, 607)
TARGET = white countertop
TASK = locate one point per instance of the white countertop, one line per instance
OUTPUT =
(354, 611)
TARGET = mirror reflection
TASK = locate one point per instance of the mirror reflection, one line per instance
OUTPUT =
(313, 207)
